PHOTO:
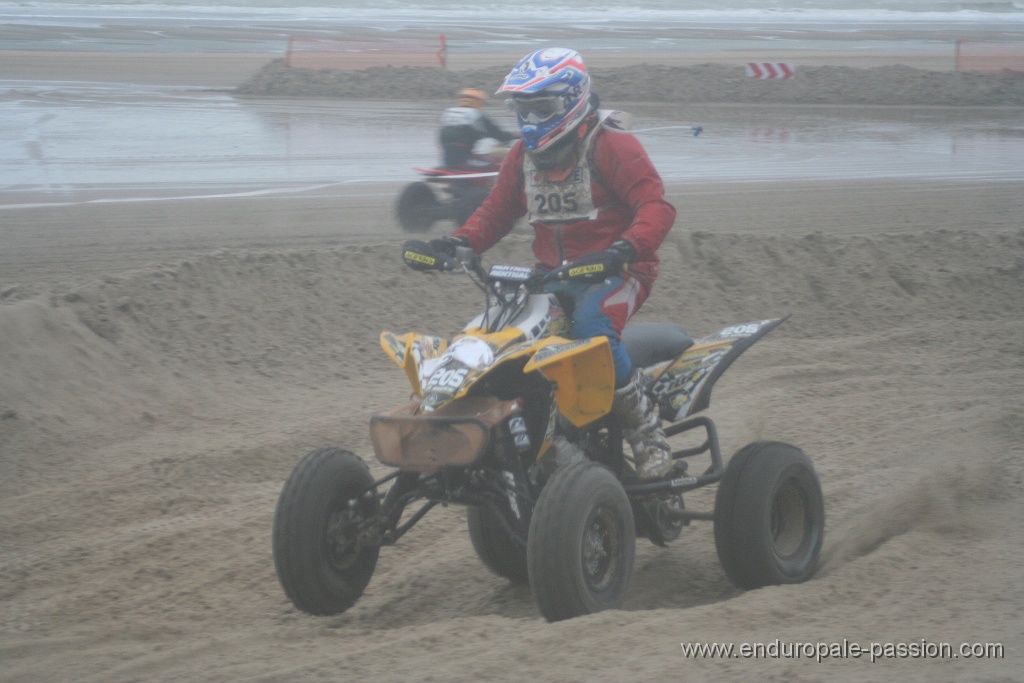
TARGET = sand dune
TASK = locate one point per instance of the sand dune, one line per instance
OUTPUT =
(165, 364)
(150, 417)
(891, 84)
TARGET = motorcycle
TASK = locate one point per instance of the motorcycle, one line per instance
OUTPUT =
(447, 194)
(514, 421)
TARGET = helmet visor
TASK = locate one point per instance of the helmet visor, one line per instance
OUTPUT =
(538, 109)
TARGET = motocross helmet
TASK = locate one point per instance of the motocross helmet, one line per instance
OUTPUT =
(469, 97)
(550, 93)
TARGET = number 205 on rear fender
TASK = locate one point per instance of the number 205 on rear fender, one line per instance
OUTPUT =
(683, 386)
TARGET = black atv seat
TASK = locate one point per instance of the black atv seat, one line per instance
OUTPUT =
(649, 343)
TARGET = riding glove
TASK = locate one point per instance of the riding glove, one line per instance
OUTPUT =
(599, 265)
(418, 255)
(448, 244)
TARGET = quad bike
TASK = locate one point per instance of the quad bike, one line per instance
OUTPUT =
(447, 194)
(514, 421)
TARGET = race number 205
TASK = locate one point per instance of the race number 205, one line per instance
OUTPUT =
(738, 330)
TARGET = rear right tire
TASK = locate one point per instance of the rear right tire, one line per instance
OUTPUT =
(769, 516)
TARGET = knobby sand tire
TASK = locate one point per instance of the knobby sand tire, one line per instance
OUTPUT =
(582, 543)
(495, 547)
(317, 573)
(417, 208)
(465, 205)
(769, 516)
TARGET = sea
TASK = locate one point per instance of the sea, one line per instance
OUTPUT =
(532, 9)
(655, 15)
(63, 137)
(481, 25)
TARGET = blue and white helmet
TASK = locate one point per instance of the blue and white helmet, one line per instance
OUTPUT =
(550, 92)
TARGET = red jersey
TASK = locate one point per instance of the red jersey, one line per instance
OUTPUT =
(612, 192)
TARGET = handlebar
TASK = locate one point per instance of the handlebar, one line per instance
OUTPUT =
(418, 255)
(468, 259)
(508, 288)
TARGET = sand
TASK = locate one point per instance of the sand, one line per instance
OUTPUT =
(166, 365)
(626, 85)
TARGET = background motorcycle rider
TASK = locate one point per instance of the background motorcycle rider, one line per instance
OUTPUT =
(465, 124)
(594, 199)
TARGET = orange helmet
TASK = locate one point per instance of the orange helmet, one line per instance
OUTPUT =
(469, 97)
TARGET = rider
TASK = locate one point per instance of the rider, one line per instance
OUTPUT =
(465, 124)
(594, 199)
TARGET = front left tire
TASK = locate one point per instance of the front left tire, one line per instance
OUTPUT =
(323, 557)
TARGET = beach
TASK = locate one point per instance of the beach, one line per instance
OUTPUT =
(169, 355)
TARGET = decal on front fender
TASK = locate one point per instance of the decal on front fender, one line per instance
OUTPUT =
(446, 380)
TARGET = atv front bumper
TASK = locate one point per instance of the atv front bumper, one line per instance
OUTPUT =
(456, 435)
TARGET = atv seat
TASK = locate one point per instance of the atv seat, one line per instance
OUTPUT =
(650, 343)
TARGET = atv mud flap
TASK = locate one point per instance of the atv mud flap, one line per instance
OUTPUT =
(454, 436)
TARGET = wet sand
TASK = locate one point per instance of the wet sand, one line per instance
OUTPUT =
(229, 69)
(226, 57)
(50, 246)
(207, 70)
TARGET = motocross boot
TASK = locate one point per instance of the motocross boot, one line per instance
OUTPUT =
(641, 426)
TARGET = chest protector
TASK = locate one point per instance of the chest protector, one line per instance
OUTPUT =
(566, 200)
(462, 116)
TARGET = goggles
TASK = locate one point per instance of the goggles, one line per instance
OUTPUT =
(538, 109)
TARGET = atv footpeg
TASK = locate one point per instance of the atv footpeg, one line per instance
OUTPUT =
(678, 469)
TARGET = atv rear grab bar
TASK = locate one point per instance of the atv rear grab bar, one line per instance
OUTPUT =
(687, 483)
